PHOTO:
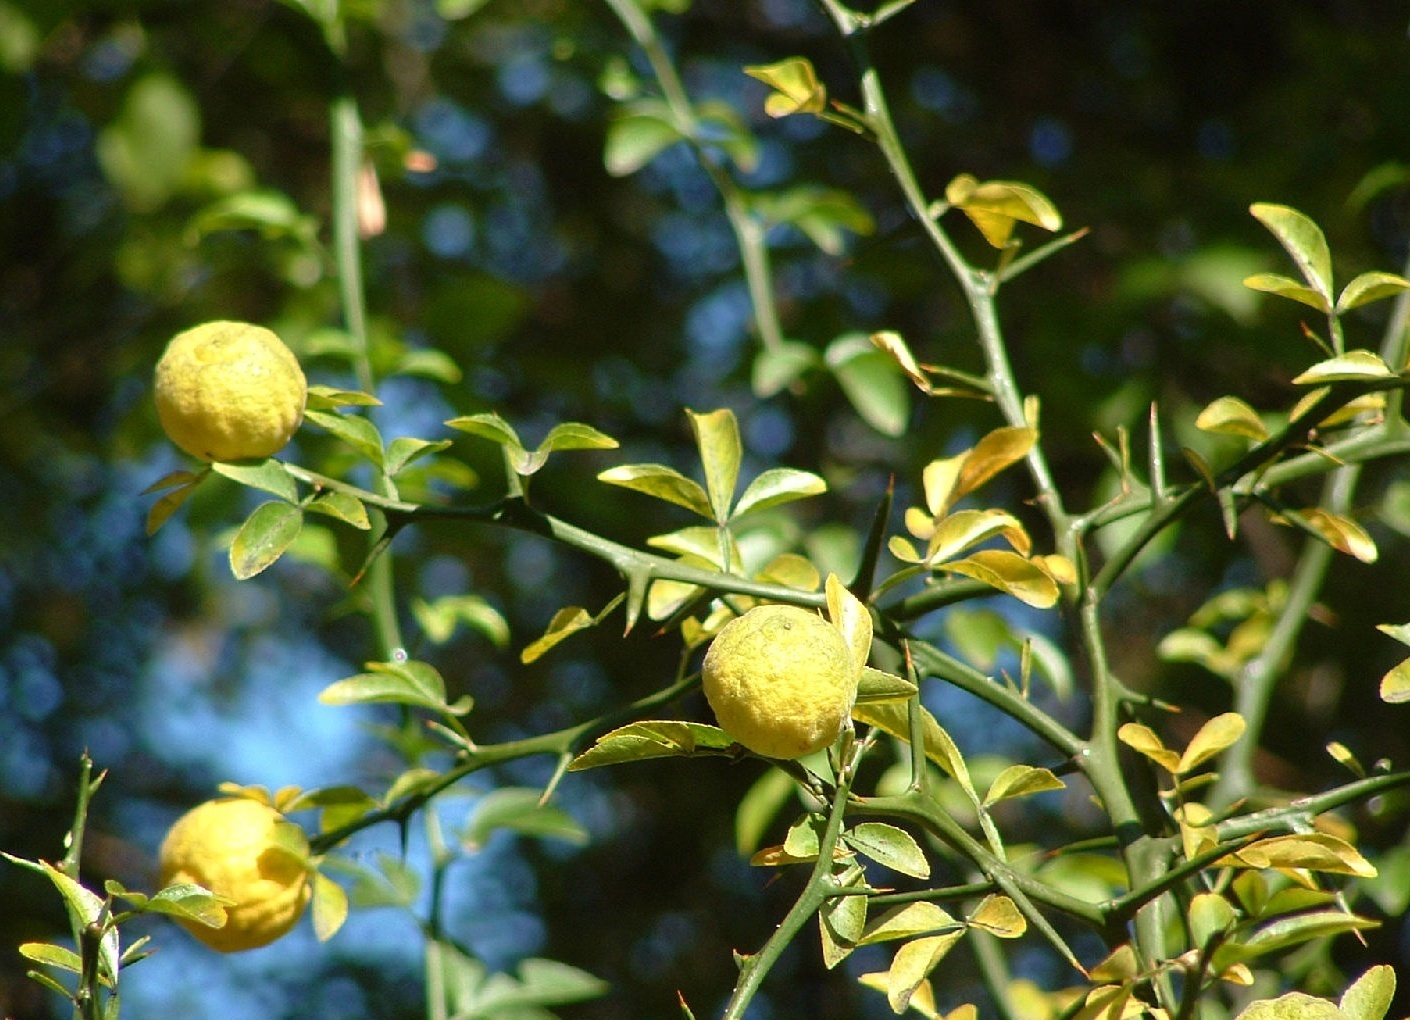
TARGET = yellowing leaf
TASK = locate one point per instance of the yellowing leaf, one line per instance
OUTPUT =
(964, 528)
(1009, 572)
(1232, 417)
(893, 345)
(1341, 533)
(1370, 995)
(913, 963)
(940, 748)
(330, 907)
(565, 622)
(1213, 737)
(851, 618)
(1284, 286)
(1313, 851)
(1020, 781)
(939, 478)
(1395, 685)
(995, 206)
(1351, 366)
(1370, 287)
(1303, 240)
(999, 916)
(999, 449)
(717, 436)
(795, 84)
(1143, 739)
(662, 482)
(1120, 965)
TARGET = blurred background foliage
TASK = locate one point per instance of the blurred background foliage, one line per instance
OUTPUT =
(165, 162)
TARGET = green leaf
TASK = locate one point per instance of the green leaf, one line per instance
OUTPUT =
(1370, 995)
(52, 956)
(878, 686)
(779, 367)
(718, 125)
(874, 384)
(1211, 915)
(271, 212)
(439, 619)
(327, 398)
(330, 907)
(663, 483)
(657, 739)
(406, 450)
(266, 475)
(520, 810)
(427, 364)
(84, 906)
(638, 133)
(823, 214)
(890, 847)
(909, 921)
(1020, 781)
(1286, 286)
(840, 924)
(457, 10)
(353, 429)
(1291, 931)
(777, 486)
(1353, 366)
(540, 983)
(342, 506)
(1304, 241)
(406, 683)
(191, 902)
(574, 435)
(1230, 416)
(795, 84)
(717, 437)
(263, 538)
(491, 426)
(1369, 287)
(147, 147)
(759, 807)
(393, 883)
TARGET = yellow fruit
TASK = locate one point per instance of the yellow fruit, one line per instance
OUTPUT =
(781, 681)
(247, 852)
(229, 391)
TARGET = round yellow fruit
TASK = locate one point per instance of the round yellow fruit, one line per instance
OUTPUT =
(781, 681)
(229, 391)
(247, 852)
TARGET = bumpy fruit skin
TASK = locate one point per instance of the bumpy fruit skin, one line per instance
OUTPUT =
(229, 391)
(780, 680)
(231, 847)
